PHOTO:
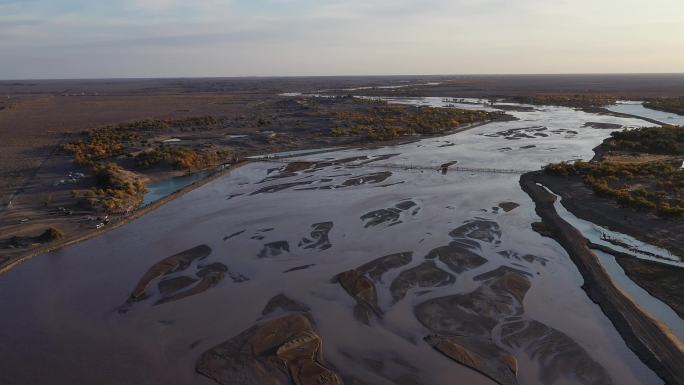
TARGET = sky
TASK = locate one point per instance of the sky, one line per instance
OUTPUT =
(205, 38)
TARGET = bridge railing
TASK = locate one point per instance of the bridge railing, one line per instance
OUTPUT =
(410, 166)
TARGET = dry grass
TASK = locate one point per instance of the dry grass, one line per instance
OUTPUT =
(635, 158)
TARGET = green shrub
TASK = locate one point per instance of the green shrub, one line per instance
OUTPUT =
(577, 101)
(111, 141)
(674, 105)
(652, 186)
(384, 121)
(180, 158)
(118, 190)
(51, 234)
(655, 140)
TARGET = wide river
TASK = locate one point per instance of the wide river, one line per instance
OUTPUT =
(64, 317)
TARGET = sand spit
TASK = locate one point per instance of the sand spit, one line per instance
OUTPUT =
(278, 352)
(172, 286)
(363, 291)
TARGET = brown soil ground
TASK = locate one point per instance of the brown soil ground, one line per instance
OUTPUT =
(39, 116)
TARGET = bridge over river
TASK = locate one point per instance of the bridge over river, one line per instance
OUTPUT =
(408, 166)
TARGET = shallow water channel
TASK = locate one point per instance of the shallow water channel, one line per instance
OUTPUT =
(637, 249)
(638, 109)
(271, 229)
(163, 188)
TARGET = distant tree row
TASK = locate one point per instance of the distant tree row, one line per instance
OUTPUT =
(113, 140)
(117, 190)
(674, 105)
(181, 158)
(653, 140)
(383, 122)
(651, 185)
(575, 101)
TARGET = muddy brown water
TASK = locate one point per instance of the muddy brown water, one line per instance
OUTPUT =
(68, 317)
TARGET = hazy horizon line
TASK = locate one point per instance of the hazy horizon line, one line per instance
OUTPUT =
(341, 76)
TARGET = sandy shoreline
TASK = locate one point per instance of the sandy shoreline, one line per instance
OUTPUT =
(646, 336)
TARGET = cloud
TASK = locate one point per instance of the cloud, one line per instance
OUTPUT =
(235, 37)
(155, 4)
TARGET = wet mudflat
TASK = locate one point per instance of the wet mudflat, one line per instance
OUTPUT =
(352, 267)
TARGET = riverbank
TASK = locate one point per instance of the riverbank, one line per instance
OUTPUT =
(13, 261)
(118, 222)
(580, 200)
(658, 279)
(605, 111)
(658, 269)
(646, 336)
